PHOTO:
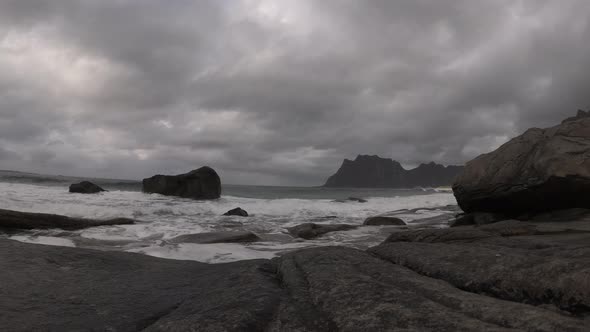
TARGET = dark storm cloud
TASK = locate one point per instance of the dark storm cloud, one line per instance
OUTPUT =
(279, 92)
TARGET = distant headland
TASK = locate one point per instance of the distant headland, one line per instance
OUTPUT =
(376, 172)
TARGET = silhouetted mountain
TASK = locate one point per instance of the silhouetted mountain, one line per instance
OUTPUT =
(376, 172)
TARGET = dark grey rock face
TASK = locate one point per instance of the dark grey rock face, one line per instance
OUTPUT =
(203, 183)
(477, 218)
(541, 264)
(85, 187)
(541, 170)
(376, 172)
(217, 237)
(383, 220)
(322, 289)
(236, 212)
(27, 220)
(310, 230)
(55, 289)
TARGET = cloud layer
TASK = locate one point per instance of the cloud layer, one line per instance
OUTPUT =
(279, 92)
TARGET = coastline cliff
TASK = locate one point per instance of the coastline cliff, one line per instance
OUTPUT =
(376, 172)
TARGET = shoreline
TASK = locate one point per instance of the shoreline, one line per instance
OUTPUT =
(415, 279)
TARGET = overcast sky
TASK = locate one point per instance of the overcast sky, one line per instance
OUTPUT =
(279, 92)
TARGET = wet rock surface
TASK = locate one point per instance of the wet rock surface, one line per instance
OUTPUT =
(311, 230)
(506, 276)
(15, 220)
(321, 289)
(236, 212)
(216, 237)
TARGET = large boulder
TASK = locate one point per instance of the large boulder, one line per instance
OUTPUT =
(85, 187)
(203, 183)
(541, 170)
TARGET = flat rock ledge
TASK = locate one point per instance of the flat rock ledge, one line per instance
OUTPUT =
(310, 231)
(15, 220)
(509, 276)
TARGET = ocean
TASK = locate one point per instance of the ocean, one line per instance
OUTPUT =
(271, 209)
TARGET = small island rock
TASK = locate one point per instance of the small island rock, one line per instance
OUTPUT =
(85, 187)
(202, 183)
(236, 212)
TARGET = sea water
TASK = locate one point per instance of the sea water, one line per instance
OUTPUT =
(160, 218)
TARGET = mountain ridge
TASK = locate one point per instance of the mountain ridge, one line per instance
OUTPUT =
(372, 171)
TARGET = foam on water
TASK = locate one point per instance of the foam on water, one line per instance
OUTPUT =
(48, 240)
(163, 217)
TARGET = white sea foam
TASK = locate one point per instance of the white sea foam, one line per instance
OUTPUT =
(48, 240)
(162, 218)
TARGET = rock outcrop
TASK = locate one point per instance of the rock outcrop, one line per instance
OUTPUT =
(383, 221)
(477, 218)
(14, 220)
(535, 281)
(203, 183)
(544, 264)
(310, 231)
(540, 170)
(375, 172)
(236, 212)
(216, 237)
(85, 187)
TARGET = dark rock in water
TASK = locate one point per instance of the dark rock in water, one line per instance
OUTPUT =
(310, 230)
(356, 199)
(236, 212)
(383, 220)
(203, 183)
(477, 218)
(85, 187)
(537, 282)
(376, 172)
(350, 199)
(27, 220)
(541, 170)
(216, 237)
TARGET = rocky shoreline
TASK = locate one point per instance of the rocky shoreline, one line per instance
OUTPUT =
(499, 277)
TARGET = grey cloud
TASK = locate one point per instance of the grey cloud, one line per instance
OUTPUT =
(279, 92)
